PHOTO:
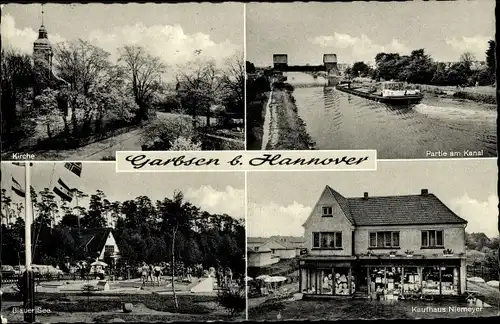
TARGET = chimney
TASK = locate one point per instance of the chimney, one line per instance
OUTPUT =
(424, 192)
(365, 196)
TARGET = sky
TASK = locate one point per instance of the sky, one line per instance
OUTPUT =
(212, 192)
(171, 31)
(280, 202)
(357, 31)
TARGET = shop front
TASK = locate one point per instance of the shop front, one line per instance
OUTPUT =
(327, 278)
(410, 279)
(383, 278)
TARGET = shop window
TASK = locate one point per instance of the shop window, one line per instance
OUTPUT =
(411, 280)
(432, 238)
(430, 280)
(384, 239)
(449, 281)
(341, 282)
(385, 282)
(327, 211)
(327, 240)
(327, 282)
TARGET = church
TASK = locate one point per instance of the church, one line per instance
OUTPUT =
(43, 63)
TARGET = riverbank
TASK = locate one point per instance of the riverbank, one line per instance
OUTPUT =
(287, 131)
(483, 94)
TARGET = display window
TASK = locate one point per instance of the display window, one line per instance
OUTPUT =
(411, 280)
(431, 280)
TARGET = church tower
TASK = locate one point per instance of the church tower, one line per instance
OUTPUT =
(42, 49)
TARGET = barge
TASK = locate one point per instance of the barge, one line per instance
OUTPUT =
(395, 93)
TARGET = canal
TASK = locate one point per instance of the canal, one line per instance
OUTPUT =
(336, 120)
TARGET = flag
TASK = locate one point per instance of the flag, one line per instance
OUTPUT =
(75, 167)
(63, 191)
(16, 187)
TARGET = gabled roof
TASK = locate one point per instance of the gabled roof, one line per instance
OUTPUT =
(289, 242)
(343, 203)
(422, 209)
(257, 240)
(402, 210)
(92, 239)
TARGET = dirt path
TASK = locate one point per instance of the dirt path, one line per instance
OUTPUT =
(287, 130)
(267, 123)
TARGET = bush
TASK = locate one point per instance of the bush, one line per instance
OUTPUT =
(163, 132)
(234, 300)
(184, 144)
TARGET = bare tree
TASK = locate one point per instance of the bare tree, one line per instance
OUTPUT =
(233, 82)
(467, 58)
(199, 87)
(144, 72)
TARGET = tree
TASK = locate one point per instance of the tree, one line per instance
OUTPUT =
(250, 67)
(491, 59)
(199, 88)
(95, 216)
(174, 214)
(360, 69)
(467, 58)
(46, 208)
(144, 72)
(233, 84)
(88, 70)
(16, 78)
(387, 65)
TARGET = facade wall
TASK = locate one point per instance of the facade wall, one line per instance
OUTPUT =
(286, 253)
(318, 223)
(410, 239)
(109, 241)
(261, 259)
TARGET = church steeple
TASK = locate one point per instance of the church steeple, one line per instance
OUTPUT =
(42, 49)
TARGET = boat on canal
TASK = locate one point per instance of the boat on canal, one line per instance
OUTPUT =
(390, 92)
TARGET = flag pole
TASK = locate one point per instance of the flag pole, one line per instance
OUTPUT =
(29, 287)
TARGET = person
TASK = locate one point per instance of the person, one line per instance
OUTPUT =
(220, 276)
(189, 271)
(82, 271)
(157, 273)
(150, 272)
(144, 273)
(229, 275)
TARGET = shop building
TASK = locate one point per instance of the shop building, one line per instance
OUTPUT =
(383, 247)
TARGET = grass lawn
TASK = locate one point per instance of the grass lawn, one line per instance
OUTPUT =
(146, 308)
(340, 309)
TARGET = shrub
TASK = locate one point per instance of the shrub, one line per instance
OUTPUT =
(163, 132)
(184, 144)
(234, 300)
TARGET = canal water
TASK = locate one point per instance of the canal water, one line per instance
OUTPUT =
(337, 121)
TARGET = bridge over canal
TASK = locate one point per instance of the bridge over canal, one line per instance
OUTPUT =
(280, 65)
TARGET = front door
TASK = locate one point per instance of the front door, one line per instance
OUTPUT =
(361, 280)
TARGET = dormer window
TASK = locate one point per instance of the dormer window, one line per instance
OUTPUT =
(327, 211)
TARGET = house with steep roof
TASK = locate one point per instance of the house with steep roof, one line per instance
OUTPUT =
(283, 247)
(98, 242)
(383, 247)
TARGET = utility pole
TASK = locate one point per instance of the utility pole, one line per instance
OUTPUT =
(29, 282)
